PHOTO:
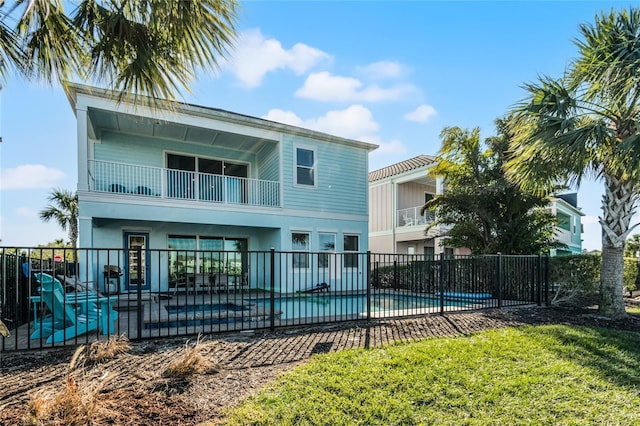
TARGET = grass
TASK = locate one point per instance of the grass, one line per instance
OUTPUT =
(529, 375)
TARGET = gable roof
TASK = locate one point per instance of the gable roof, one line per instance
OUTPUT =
(402, 167)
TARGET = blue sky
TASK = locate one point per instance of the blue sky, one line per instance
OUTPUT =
(391, 73)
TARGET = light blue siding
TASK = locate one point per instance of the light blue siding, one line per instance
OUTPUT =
(150, 152)
(341, 178)
(267, 163)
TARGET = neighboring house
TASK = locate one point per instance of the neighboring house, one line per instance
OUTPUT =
(396, 196)
(192, 178)
(569, 228)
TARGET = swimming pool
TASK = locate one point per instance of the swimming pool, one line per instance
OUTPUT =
(330, 305)
(311, 307)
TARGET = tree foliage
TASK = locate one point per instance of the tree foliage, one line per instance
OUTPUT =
(136, 47)
(585, 125)
(63, 209)
(480, 209)
(632, 247)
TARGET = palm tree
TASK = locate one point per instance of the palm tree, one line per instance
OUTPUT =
(584, 125)
(136, 47)
(64, 211)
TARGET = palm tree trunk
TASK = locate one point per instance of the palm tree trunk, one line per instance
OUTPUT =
(618, 205)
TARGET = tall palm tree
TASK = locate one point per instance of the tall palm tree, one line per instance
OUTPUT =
(136, 47)
(585, 125)
(63, 208)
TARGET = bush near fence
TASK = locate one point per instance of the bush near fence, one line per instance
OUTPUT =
(577, 277)
(477, 274)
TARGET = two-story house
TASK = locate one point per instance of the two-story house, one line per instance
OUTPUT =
(191, 180)
(569, 227)
(397, 194)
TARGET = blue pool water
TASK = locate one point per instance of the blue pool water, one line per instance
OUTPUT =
(318, 305)
(327, 305)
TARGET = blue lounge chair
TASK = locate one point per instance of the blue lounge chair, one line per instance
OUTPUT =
(70, 314)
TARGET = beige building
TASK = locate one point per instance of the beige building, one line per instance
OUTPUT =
(396, 196)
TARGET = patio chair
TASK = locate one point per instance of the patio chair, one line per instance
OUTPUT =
(70, 315)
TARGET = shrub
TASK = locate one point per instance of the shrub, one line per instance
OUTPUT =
(578, 276)
(189, 362)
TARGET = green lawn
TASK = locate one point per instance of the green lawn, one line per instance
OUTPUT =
(531, 375)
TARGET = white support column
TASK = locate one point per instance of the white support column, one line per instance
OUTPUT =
(437, 247)
(83, 149)
(86, 260)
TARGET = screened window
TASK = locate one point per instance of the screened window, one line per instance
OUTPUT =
(300, 243)
(327, 244)
(305, 167)
(351, 244)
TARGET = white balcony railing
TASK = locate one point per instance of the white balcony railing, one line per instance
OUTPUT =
(158, 182)
(412, 217)
(563, 235)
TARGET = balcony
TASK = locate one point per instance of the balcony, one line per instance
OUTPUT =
(157, 182)
(412, 217)
(563, 236)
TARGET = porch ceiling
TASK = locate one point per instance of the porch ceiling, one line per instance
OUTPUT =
(101, 121)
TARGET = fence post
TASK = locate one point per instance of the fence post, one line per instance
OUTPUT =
(139, 290)
(546, 279)
(441, 284)
(500, 280)
(395, 274)
(272, 291)
(539, 268)
(368, 285)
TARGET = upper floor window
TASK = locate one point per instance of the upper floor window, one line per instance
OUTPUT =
(305, 167)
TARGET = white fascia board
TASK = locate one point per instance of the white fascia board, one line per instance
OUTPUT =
(180, 117)
(568, 208)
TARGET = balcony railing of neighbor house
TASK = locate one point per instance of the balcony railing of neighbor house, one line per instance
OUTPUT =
(412, 217)
(56, 297)
(159, 182)
(563, 235)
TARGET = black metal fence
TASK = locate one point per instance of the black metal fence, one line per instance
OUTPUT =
(55, 297)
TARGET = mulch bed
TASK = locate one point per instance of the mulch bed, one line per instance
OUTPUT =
(138, 394)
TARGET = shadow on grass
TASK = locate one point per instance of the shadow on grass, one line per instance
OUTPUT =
(612, 354)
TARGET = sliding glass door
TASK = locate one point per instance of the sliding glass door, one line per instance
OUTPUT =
(206, 179)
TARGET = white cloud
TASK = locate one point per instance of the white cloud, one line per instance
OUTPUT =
(384, 70)
(29, 176)
(393, 147)
(322, 86)
(422, 114)
(285, 117)
(355, 122)
(254, 56)
(26, 212)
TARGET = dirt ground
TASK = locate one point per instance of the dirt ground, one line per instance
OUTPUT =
(133, 390)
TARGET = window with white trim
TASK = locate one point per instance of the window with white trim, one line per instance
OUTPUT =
(300, 244)
(305, 167)
(327, 245)
(351, 248)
